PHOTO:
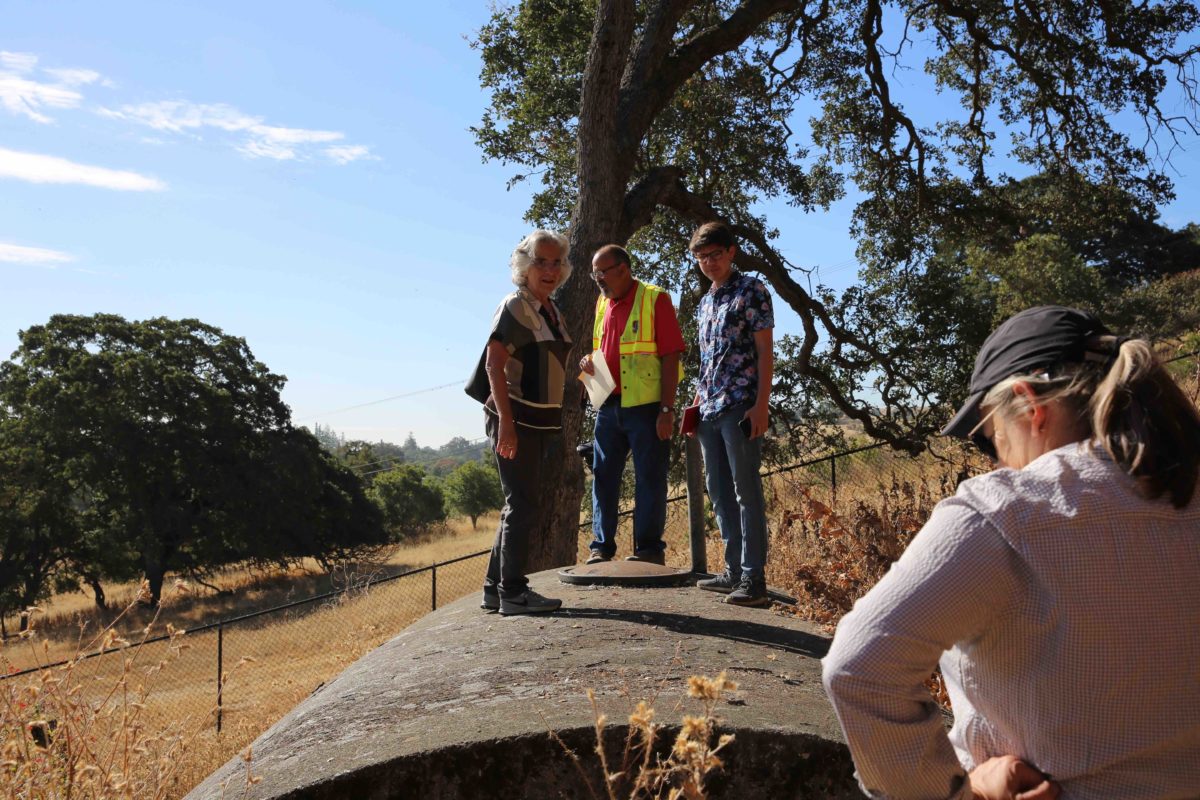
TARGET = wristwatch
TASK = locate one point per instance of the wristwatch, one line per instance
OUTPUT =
(666, 410)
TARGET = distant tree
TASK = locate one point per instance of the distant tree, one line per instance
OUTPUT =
(410, 500)
(328, 516)
(328, 438)
(414, 453)
(388, 450)
(169, 430)
(474, 489)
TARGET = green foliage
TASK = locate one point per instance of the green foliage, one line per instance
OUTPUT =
(474, 489)
(1168, 308)
(1040, 270)
(39, 528)
(167, 441)
(410, 500)
(644, 118)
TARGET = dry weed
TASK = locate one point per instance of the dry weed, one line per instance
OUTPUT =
(643, 772)
(68, 734)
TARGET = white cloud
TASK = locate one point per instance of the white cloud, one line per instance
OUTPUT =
(25, 97)
(22, 94)
(18, 254)
(31, 91)
(49, 169)
(74, 77)
(256, 138)
(17, 62)
(345, 153)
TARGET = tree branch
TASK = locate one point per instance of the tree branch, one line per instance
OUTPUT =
(642, 101)
(768, 262)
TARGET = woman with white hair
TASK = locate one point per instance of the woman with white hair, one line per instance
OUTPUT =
(524, 364)
(1059, 591)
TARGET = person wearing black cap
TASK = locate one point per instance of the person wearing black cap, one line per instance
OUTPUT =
(1057, 592)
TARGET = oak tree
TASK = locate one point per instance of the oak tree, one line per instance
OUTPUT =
(645, 118)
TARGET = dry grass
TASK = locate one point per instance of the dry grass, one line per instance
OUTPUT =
(236, 591)
(68, 733)
(281, 658)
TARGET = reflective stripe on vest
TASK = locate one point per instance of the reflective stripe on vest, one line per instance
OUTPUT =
(641, 368)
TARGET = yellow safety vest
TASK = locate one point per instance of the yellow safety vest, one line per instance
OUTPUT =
(641, 368)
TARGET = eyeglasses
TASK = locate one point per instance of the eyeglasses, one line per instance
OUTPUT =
(982, 440)
(602, 272)
(711, 255)
(545, 263)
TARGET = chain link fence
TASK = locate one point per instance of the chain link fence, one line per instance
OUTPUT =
(248, 671)
(241, 674)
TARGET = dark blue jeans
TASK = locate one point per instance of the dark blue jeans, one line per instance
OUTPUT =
(731, 474)
(619, 432)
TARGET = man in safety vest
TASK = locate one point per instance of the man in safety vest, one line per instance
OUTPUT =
(636, 330)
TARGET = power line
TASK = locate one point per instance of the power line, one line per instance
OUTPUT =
(377, 402)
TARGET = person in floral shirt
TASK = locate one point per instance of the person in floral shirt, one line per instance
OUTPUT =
(736, 362)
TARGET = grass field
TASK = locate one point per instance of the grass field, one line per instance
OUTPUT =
(827, 547)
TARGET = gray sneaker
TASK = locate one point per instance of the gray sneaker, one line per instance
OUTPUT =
(597, 557)
(750, 592)
(491, 600)
(529, 602)
(723, 583)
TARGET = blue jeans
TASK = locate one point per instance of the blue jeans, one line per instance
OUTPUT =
(731, 475)
(619, 432)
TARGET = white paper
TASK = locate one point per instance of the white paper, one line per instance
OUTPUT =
(600, 385)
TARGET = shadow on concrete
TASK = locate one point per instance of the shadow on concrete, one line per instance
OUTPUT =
(759, 633)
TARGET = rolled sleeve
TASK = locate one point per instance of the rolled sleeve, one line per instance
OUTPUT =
(956, 576)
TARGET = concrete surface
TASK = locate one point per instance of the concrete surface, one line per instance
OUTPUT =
(458, 705)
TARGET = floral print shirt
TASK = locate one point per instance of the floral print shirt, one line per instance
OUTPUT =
(728, 319)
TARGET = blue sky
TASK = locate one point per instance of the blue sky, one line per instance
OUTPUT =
(300, 174)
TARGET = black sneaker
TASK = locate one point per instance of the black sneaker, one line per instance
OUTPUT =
(529, 602)
(597, 558)
(649, 557)
(491, 600)
(750, 592)
(723, 583)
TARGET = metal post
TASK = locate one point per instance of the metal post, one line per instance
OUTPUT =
(695, 493)
(433, 583)
(220, 669)
(833, 479)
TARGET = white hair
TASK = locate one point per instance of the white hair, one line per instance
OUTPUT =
(523, 256)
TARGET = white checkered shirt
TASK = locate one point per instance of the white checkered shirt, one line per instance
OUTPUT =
(1065, 609)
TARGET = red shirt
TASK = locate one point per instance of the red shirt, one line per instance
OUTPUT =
(667, 335)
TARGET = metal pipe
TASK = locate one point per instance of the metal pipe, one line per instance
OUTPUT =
(220, 669)
(695, 496)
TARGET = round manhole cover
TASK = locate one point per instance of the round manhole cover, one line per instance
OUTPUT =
(625, 573)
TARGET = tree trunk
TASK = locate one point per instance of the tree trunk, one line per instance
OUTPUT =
(98, 593)
(156, 573)
(604, 172)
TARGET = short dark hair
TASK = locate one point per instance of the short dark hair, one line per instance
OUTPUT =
(717, 233)
(616, 251)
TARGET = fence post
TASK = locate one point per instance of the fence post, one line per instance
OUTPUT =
(695, 495)
(433, 590)
(833, 479)
(220, 670)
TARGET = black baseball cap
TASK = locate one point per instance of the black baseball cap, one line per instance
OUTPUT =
(1037, 338)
